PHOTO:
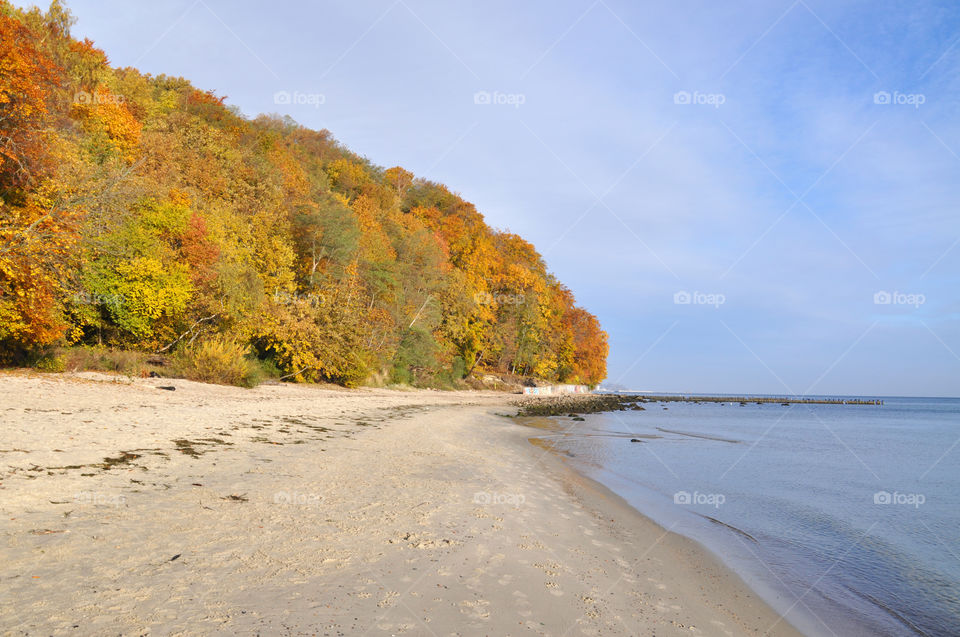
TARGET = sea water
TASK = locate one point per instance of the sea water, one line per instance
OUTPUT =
(845, 518)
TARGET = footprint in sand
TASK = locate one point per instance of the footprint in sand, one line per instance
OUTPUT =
(660, 586)
(389, 599)
(523, 606)
(475, 609)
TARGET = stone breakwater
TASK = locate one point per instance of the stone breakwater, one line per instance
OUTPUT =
(564, 405)
(759, 400)
(573, 404)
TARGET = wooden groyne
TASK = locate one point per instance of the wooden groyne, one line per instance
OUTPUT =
(761, 400)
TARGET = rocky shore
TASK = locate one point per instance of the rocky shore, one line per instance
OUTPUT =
(574, 404)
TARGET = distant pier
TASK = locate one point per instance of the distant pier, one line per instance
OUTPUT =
(761, 400)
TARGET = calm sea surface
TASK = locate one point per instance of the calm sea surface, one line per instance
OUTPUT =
(845, 518)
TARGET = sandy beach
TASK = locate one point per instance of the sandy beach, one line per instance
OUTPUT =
(297, 510)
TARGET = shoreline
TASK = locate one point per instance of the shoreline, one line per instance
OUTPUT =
(767, 594)
(314, 511)
(788, 535)
(708, 565)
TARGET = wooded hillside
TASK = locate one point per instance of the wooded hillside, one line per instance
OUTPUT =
(143, 213)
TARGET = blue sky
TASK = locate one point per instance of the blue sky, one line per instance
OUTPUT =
(782, 163)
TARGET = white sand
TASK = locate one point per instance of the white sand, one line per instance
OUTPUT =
(435, 517)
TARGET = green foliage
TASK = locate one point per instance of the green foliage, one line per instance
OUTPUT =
(136, 276)
(141, 293)
(51, 362)
(415, 359)
(327, 235)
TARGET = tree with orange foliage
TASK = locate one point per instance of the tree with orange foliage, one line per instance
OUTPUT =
(141, 211)
(590, 346)
(27, 77)
(112, 128)
(37, 233)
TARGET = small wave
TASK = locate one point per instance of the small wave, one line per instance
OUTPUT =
(618, 434)
(732, 528)
(890, 611)
(704, 436)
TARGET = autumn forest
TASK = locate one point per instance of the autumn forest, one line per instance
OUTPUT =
(141, 214)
